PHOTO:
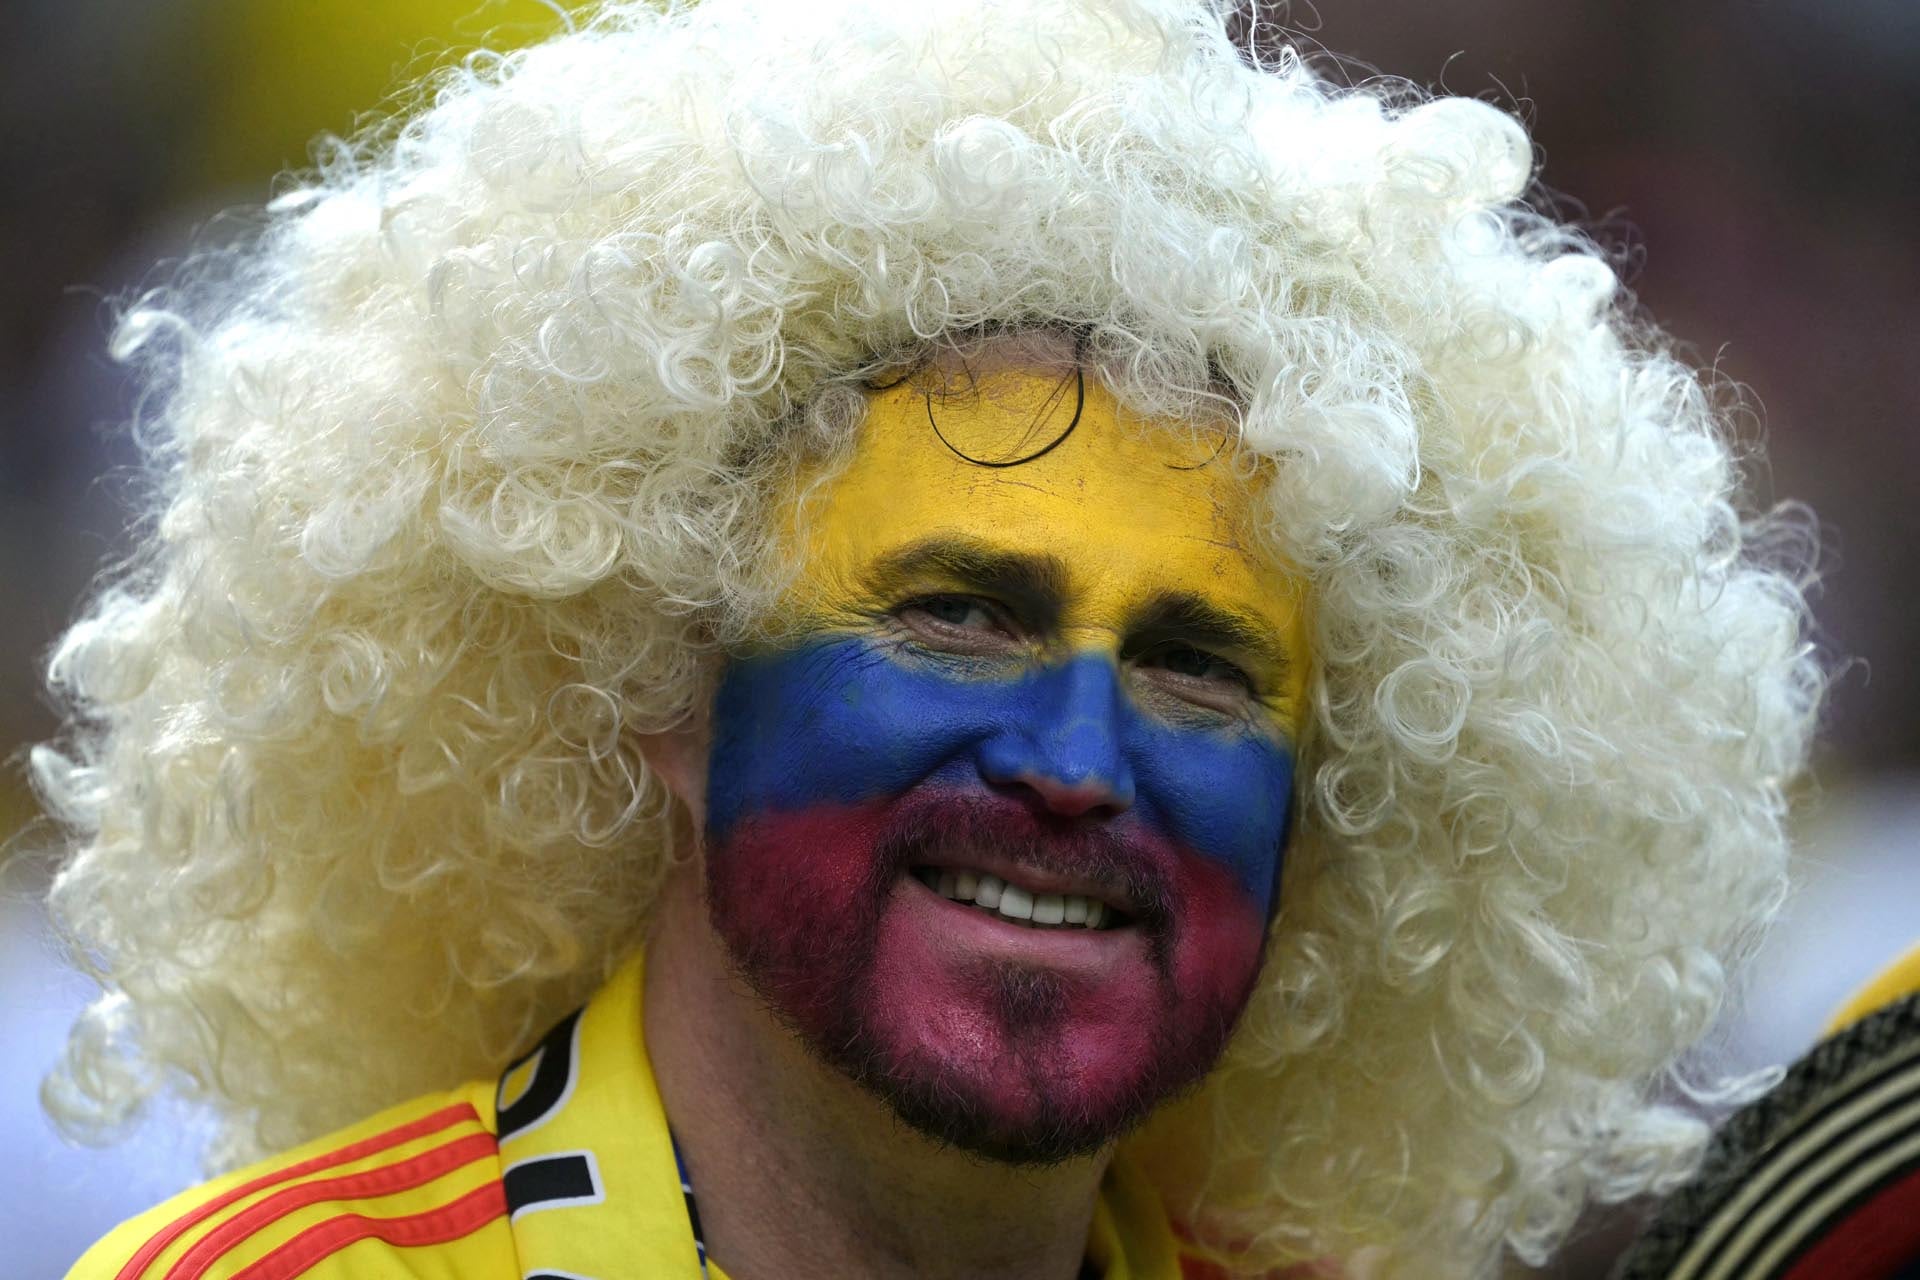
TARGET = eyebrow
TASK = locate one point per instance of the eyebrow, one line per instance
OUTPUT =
(1035, 584)
(1192, 619)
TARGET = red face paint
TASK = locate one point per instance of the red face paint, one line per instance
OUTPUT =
(1020, 1043)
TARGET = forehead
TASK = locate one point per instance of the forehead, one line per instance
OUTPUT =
(1132, 507)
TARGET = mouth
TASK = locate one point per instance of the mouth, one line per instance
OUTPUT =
(1029, 905)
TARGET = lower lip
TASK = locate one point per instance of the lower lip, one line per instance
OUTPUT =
(1086, 953)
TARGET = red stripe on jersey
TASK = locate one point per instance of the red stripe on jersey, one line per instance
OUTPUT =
(445, 1118)
(1872, 1242)
(436, 1226)
(386, 1180)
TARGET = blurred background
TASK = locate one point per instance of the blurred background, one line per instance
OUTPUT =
(1753, 164)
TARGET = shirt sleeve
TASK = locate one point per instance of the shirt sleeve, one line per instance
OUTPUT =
(414, 1191)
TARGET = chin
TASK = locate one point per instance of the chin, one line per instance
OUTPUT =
(1020, 1077)
(1020, 1042)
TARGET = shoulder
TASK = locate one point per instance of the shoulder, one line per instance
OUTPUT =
(419, 1183)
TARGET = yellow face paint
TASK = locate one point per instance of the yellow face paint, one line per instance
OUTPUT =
(1135, 511)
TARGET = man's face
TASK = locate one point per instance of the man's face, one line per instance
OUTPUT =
(997, 827)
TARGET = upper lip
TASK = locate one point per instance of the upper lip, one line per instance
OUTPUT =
(1031, 878)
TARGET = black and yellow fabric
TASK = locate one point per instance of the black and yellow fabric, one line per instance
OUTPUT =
(1818, 1180)
(562, 1168)
(1896, 982)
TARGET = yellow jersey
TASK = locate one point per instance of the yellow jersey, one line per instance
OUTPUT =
(563, 1169)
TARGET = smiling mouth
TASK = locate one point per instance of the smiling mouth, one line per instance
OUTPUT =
(1015, 905)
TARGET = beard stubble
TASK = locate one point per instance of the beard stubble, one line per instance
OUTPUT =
(818, 970)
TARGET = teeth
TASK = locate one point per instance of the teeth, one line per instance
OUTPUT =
(1011, 902)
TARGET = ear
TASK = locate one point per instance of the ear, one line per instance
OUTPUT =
(679, 756)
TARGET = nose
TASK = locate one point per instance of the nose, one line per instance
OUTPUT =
(1062, 741)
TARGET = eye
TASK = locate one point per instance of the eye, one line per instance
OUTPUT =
(956, 611)
(1196, 676)
(1197, 664)
(960, 624)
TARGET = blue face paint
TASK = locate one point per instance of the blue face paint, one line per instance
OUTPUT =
(840, 721)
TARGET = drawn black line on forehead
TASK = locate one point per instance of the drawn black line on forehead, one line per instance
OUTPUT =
(1046, 413)
(954, 371)
(1038, 584)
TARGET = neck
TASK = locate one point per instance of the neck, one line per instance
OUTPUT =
(800, 1173)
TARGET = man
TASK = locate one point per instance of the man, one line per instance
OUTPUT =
(1082, 658)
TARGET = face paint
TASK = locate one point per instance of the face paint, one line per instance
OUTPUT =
(1073, 675)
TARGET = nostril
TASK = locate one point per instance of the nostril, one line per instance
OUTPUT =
(1068, 773)
(1075, 799)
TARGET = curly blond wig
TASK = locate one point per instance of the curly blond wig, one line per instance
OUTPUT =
(461, 476)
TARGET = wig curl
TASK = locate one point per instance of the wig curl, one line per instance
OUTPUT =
(462, 477)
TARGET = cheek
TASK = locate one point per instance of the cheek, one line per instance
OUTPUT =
(1218, 937)
(1226, 797)
(799, 867)
(797, 897)
(835, 723)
